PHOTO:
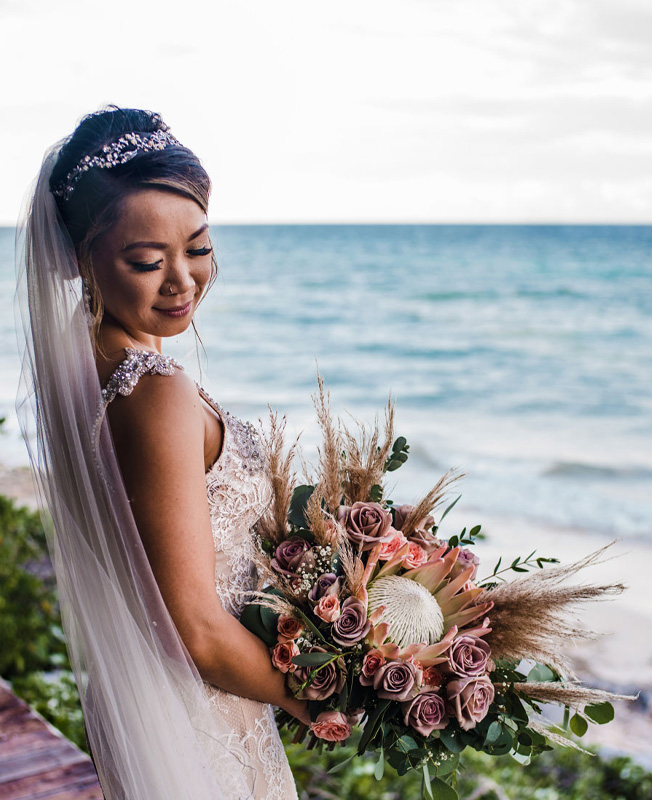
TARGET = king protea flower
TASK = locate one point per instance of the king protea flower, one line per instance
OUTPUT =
(422, 605)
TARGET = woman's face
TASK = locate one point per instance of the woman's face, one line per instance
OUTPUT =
(160, 243)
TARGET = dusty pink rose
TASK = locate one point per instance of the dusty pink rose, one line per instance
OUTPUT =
(290, 555)
(328, 583)
(333, 726)
(367, 524)
(328, 608)
(425, 539)
(288, 628)
(282, 655)
(465, 559)
(327, 679)
(388, 549)
(397, 680)
(416, 556)
(467, 657)
(352, 625)
(470, 699)
(401, 513)
(426, 713)
(372, 662)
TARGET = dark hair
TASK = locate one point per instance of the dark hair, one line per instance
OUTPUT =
(96, 201)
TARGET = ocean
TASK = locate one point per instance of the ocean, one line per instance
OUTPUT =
(520, 354)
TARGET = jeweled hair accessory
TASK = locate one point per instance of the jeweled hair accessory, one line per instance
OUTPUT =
(113, 154)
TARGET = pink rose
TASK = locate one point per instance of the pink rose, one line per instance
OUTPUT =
(372, 662)
(282, 655)
(388, 549)
(288, 628)
(416, 556)
(333, 726)
(367, 524)
(328, 608)
(426, 713)
(470, 700)
(467, 657)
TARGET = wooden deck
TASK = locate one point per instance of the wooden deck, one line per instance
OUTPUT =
(36, 761)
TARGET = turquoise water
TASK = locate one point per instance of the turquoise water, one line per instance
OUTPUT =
(521, 354)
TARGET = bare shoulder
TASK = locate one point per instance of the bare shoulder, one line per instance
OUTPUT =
(158, 431)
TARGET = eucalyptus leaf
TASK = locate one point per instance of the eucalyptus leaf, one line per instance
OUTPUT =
(379, 769)
(312, 659)
(442, 791)
(600, 713)
(578, 725)
(540, 673)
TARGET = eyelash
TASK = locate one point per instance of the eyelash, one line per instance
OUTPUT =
(141, 266)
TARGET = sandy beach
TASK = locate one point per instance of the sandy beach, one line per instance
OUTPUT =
(619, 659)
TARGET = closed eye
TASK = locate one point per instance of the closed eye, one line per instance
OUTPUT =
(202, 251)
(141, 266)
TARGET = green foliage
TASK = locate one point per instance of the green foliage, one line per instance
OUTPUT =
(518, 565)
(564, 774)
(398, 456)
(30, 632)
(56, 698)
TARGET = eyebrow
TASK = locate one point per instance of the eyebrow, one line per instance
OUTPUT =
(161, 245)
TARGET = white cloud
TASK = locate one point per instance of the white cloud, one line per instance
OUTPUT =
(355, 110)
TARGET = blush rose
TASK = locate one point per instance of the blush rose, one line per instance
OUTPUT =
(282, 655)
(352, 625)
(467, 657)
(333, 726)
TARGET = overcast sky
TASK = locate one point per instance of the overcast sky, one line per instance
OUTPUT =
(354, 110)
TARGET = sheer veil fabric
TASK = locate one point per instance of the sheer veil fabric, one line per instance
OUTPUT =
(148, 719)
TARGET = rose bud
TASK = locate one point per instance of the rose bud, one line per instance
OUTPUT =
(327, 583)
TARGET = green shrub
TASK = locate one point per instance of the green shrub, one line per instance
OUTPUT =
(30, 632)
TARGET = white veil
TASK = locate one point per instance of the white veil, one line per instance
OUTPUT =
(151, 729)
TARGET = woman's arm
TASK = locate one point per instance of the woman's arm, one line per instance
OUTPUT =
(158, 432)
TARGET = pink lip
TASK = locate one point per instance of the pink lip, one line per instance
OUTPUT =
(176, 311)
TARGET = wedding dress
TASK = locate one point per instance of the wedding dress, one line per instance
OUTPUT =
(238, 490)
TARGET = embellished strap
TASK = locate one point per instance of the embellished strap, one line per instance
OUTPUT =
(137, 363)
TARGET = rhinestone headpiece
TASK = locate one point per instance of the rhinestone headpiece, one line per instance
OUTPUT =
(113, 154)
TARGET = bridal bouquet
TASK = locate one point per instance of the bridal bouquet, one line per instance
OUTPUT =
(380, 623)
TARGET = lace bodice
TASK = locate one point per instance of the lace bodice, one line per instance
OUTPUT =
(238, 489)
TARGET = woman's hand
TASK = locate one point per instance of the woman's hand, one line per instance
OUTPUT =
(299, 710)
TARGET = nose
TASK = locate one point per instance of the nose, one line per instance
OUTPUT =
(179, 278)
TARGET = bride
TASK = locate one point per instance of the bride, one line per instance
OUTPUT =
(152, 488)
